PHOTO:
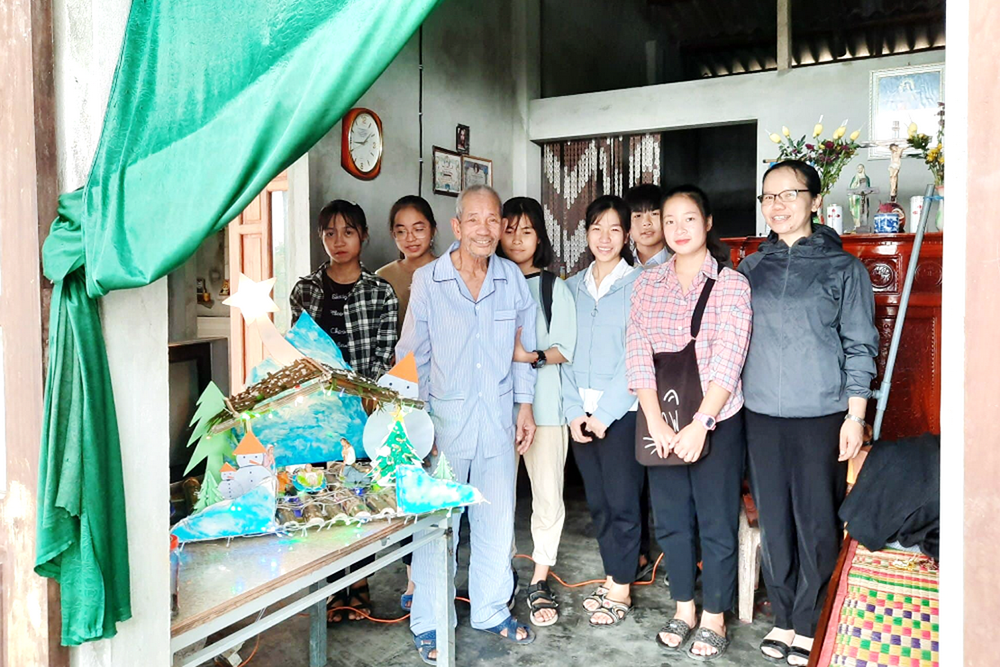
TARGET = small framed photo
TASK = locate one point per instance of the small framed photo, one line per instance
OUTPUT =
(447, 172)
(476, 171)
(901, 96)
(462, 139)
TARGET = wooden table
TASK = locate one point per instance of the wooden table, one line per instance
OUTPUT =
(221, 584)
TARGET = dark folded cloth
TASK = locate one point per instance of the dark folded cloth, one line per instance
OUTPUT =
(897, 496)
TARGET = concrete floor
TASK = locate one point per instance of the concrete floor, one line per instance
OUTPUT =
(570, 642)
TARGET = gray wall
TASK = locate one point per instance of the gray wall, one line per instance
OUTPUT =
(467, 80)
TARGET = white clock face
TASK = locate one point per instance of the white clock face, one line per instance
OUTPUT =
(365, 142)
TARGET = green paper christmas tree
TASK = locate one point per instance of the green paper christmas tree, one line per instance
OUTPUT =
(443, 470)
(395, 451)
(214, 447)
(209, 493)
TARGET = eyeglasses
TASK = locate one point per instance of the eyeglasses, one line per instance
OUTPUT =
(786, 196)
(402, 233)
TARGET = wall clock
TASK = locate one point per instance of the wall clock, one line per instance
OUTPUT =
(361, 144)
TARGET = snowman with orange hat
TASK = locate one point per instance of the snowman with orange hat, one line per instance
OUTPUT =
(401, 378)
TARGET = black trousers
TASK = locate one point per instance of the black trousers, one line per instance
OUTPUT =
(701, 503)
(798, 486)
(612, 481)
(645, 543)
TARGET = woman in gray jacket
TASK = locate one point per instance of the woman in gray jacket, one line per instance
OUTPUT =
(806, 384)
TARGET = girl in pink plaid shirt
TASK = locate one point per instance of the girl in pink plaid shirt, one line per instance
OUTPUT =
(700, 494)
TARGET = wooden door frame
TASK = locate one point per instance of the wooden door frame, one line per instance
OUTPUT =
(28, 200)
(259, 214)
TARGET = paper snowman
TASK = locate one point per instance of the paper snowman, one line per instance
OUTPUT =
(402, 378)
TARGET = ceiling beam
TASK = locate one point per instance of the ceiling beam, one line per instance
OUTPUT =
(784, 55)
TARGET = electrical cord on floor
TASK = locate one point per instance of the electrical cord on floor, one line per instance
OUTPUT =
(555, 576)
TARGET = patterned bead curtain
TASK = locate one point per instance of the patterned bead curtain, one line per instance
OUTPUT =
(576, 172)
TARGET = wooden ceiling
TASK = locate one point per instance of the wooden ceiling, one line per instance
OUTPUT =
(721, 37)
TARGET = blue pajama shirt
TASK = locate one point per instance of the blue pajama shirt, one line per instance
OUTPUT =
(463, 349)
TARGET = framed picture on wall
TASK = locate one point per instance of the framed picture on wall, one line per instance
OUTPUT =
(476, 171)
(901, 96)
(462, 139)
(447, 172)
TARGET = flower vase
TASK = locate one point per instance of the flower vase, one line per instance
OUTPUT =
(939, 221)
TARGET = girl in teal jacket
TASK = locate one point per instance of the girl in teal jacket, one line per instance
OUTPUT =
(601, 411)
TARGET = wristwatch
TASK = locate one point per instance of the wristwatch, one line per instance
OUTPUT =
(855, 419)
(708, 421)
(540, 361)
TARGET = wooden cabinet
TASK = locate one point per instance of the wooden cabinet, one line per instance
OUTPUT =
(914, 405)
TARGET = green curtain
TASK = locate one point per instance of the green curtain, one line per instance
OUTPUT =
(211, 100)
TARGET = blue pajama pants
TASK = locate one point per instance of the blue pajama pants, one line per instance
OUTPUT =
(492, 531)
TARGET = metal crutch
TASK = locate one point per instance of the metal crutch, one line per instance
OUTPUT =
(882, 393)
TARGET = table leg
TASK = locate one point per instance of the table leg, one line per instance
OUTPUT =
(444, 605)
(317, 630)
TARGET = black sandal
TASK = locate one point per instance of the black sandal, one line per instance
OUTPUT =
(540, 597)
(798, 652)
(711, 638)
(781, 647)
(335, 606)
(360, 601)
(678, 628)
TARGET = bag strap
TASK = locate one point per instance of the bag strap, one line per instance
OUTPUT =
(699, 309)
(548, 282)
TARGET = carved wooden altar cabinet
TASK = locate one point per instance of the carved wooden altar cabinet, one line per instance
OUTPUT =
(915, 396)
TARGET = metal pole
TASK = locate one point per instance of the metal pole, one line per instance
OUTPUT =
(882, 393)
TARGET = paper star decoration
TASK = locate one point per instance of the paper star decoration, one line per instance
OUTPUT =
(253, 298)
(254, 301)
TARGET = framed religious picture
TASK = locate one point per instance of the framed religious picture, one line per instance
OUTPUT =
(447, 172)
(901, 96)
(476, 171)
(462, 139)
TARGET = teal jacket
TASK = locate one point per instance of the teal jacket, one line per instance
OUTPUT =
(599, 355)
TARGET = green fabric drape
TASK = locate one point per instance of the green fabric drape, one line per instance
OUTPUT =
(211, 100)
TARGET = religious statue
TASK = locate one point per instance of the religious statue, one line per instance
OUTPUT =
(895, 160)
(857, 201)
(858, 204)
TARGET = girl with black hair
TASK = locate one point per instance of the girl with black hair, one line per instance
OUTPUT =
(807, 382)
(687, 339)
(413, 227)
(359, 311)
(526, 243)
(601, 411)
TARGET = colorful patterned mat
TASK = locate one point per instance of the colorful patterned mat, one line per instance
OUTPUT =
(886, 611)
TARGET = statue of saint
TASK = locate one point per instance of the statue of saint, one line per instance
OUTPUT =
(895, 160)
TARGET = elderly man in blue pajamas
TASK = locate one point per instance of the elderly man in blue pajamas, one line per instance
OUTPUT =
(465, 309)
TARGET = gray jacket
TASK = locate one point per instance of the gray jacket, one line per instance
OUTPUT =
(814, 340)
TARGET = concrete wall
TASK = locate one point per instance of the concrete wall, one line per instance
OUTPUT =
(467, 79)
(795, 98)
(592, 46)
(88, 36)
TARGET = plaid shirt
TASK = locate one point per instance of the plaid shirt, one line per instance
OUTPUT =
(660, 321)
(370, 314)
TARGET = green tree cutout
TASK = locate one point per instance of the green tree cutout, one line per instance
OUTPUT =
(444, 470)
(394, 452)
(215, 447)
(209, 493)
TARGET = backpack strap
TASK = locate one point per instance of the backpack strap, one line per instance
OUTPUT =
(548, 282)
(699, 309)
